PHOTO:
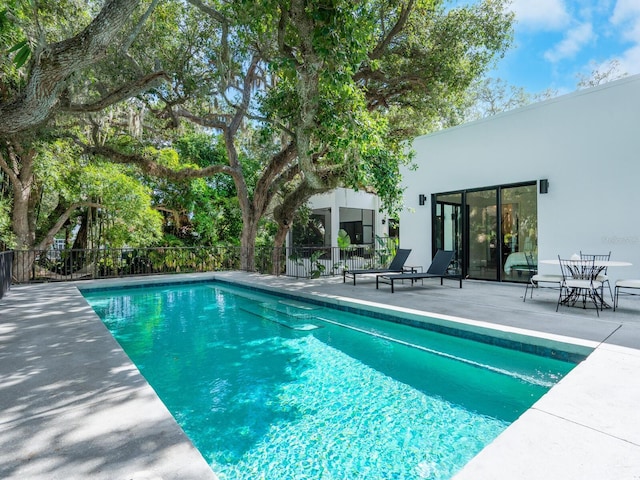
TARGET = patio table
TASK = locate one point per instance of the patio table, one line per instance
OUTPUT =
(599, 265)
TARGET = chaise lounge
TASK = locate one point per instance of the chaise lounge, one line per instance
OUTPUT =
(438, 269)
(396, 265)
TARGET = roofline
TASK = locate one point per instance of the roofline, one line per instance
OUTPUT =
(517, 111)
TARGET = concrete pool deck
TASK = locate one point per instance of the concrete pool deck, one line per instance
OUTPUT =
(72, 406)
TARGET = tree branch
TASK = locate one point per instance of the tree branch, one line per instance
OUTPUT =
(151, 167)
(275, 167)
(136, 30)
(54, 64)
(53, 231)
(122, 93)
(224, 23)
(241, 109)
(398, 27)
(212, 121)
(4, 166)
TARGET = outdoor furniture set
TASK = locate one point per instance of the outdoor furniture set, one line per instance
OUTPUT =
(582, 280)
(397, 271)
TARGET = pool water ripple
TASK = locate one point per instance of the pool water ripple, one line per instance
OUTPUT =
(357, 423)
(262, 399)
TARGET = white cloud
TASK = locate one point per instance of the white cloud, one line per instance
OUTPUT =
(626, 14)
(541, 14)
(572, 43)
(625, 10)
(630, 61)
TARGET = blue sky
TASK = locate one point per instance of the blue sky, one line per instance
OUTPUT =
(558, 40)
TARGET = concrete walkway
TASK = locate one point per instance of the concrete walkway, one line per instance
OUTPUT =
(73, 406)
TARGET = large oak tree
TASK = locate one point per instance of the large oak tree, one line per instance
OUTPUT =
(48, 77)
(329, 89)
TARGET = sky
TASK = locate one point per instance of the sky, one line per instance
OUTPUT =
(556, 41)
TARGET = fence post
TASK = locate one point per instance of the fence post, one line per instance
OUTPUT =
(6, 264)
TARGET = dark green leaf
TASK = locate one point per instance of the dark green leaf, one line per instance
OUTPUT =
(22, 56)
(18, 46)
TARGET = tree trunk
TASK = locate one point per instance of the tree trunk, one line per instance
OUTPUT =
(53, 66)
(278, 244)
(25, 237)
(248, 241)
(22, 181)
(20, 216)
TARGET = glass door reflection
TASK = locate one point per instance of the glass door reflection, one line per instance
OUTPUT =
(448, 226)
(484, 248)
(519, 231)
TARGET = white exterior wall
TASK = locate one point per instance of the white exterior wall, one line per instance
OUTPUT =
(586, 144)
(346, 198)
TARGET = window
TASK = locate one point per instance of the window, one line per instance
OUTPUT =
(314, 233)
(358, 223)
(489, 228)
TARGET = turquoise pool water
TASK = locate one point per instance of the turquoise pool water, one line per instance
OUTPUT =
(272, 388)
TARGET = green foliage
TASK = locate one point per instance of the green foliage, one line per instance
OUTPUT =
(324, 80)
(317, 267)
(208, 208)
(6, 236)
(23, 52)
(344, 240)
(125, 214)
(126, 205)
(422, 78)
(201, 149)
(386, 249)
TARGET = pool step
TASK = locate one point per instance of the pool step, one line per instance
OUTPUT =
(300, 305)
(288, 309)
(281, 318)
(288, 313)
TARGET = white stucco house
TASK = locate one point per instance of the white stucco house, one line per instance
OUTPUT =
(357, 213)
(553, 178)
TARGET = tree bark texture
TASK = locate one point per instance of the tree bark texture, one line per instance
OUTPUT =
(52, 65)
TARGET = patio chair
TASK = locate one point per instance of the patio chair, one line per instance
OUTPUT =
(625, 285)
(438, 269)
(579, 283)
(396, 265)
(602, 276)
(537, 279)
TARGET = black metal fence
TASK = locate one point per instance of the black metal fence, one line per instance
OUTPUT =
(313, 262)
(79, 264)
(6, 262)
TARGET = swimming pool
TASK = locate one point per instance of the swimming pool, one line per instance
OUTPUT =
(273, 388)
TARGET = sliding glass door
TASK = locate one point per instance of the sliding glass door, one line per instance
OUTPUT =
(447, 225)
(519, 230)
(490, 229)
(482, 228)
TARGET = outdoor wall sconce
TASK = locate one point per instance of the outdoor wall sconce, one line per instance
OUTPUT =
(544, 185)
(422, 199)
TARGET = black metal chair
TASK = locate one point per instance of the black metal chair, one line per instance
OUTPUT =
(602, 276)
(579, 283)
(396, 265)
(536, 279)
(627, 288)
(439, 268)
